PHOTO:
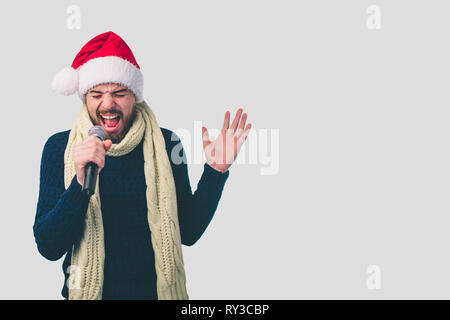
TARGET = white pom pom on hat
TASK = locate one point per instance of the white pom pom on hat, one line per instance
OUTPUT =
(65, 81)
(104, 59)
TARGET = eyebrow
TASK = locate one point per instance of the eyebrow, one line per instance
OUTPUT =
(114, 92)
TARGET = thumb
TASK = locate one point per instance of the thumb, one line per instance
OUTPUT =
(205, 137)
(107, 144)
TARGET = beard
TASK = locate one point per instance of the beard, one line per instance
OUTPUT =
(116, 137)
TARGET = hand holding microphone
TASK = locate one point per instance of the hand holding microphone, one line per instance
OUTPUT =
(89, 157)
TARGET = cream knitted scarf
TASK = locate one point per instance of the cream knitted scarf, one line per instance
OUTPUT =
(88, 253)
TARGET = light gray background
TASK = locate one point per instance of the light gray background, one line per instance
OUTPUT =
(364, 133)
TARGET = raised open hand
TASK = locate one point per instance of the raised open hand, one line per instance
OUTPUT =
(221, 152)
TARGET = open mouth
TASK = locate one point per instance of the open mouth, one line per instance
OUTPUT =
(110, 122)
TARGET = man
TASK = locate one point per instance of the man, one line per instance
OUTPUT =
(124, 241)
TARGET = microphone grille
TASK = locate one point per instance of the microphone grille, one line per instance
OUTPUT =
(98, 131)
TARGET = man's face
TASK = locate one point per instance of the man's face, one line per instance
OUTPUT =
(112, 107)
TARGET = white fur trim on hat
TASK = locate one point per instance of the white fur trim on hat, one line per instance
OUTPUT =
(110, 69)
(65, 81)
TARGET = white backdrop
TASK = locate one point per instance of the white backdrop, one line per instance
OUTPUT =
(352, 120)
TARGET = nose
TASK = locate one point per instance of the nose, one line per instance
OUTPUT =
(108, 101)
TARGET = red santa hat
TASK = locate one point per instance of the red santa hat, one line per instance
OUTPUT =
(104, 59)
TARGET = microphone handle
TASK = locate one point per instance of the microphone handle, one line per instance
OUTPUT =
(90, 178)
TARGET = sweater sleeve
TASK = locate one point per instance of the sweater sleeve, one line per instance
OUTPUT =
(60, 213)
(195, 210)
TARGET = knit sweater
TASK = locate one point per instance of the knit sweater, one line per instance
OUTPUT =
(129, 270)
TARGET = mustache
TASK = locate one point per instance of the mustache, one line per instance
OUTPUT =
(99, 113)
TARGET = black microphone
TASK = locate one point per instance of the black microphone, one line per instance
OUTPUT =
(91, 169)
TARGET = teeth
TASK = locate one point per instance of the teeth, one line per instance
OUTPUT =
(110, 117)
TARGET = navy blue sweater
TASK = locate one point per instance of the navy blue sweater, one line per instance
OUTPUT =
(129, 271)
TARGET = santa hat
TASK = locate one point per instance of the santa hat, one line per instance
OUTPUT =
(104, 59)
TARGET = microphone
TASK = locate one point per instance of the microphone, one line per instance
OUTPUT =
(91, 169)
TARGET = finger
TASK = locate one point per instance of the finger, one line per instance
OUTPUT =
(98, 161)
(91, 157)
(244, 135)
(93, 139)
(83, 147)
(238, 133)
(209, 152)
(107, 144)
(236, 120)
(205, 137)
(226, 121)
(93, 152)
(91, 144)
(240, 129)
(242, 123)
(102, 147)
(235, 144)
